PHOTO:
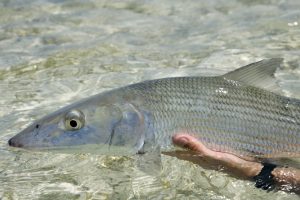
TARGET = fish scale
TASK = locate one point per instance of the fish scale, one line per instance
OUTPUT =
(240, 119)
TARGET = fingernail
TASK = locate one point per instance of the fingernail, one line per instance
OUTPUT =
(183, 141)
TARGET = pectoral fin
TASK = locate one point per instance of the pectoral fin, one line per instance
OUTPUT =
(150, 162)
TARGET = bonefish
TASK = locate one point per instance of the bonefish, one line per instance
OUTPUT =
(241, 113)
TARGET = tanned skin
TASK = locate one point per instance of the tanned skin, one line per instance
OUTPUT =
(231, 164)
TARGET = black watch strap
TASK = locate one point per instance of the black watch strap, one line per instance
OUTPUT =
(264, 179)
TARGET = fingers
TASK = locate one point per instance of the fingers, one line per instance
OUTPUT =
(190, 156)
(188, 142)
(205, 157)
(180, 153)
(192, 143)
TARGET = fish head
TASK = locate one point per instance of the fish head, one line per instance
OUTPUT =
(89, 128)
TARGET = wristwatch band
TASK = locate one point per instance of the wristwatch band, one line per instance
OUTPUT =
(264, 179)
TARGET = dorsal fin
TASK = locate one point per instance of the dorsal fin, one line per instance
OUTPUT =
(259, 74)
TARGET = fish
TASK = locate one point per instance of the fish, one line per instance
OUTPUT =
(243, 112)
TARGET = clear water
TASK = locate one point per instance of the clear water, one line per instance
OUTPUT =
(55, 52)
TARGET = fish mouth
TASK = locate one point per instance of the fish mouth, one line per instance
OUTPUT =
(13, 143)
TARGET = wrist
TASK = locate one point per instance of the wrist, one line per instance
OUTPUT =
(265, 179)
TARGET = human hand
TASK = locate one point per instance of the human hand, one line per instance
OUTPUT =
(201, 155)
(287, 179)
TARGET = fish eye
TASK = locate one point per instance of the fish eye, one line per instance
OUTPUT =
(74, 120)
(73, 123)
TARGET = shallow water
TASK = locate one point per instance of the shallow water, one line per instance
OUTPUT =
(56, 52)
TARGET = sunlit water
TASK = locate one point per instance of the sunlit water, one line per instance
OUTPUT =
(55, 52)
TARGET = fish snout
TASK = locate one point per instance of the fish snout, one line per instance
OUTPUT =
(13, 143)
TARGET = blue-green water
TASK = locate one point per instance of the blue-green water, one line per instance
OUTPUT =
(55, 52)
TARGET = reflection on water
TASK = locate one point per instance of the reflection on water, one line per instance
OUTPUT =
(55, 52)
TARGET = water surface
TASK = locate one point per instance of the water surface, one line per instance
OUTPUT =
(55, 52)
